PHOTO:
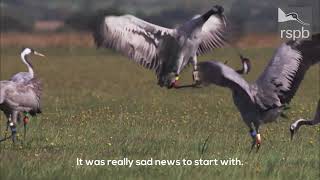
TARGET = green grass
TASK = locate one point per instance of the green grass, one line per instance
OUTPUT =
(98, 105)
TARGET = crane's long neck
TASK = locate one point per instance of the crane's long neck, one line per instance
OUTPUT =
(25, 60)
(195, 24)
(245, 68)
(302, 122)
(207, 15)
(316, 120)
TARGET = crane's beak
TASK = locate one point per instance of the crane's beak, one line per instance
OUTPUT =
(39, 54)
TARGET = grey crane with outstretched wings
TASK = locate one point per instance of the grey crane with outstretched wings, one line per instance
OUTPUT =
(264, 100)
(164, 50)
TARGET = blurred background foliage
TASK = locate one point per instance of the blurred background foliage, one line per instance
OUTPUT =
(80, 15)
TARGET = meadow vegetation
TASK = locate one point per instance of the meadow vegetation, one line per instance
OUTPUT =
(98, 105)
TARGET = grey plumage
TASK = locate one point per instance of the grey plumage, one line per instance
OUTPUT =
(164, 50)
(20, 97)
(21, 77)
(16, 98)
(264, 100)
(300, 122)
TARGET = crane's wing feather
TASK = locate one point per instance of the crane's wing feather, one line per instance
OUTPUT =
(133, 37)
(223, 75)
(213, 34)
(21, 95)
(284, 73)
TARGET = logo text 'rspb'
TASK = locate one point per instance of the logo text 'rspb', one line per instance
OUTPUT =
(295, 22)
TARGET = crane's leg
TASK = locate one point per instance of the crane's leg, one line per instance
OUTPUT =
(174, 81)
(25, 122)
(256, 138)
(195, 73)
(19, 118)
(175, 78)
(13, 126)
(7, 128)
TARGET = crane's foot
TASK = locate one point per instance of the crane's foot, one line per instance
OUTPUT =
(256, 140)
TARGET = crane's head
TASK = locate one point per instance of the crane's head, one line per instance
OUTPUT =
(28, 51)
(168, 80)
(292, 130)
(294, 127)
(217, 9)
(168, 73)
(246, 64)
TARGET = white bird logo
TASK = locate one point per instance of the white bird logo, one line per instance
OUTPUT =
(293, 16)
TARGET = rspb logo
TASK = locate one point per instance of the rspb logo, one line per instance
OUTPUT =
(295, 22)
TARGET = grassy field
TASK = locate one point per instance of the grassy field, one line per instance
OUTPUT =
(98, 105)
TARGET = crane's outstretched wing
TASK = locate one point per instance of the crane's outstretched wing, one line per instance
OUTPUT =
(133, 37)
(213, 34)
(212, 72)
(285, 71)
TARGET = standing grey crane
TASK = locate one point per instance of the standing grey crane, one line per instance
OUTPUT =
(23, 77)
(264, 100)
(18, 97)
(167, 51)
(296, 125)
(26, 76)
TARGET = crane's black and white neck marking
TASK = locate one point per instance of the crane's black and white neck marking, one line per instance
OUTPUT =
(300, 122)
(215, 10)
(246, 65)
(245, 68)
(24, 57)
(296, 125)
